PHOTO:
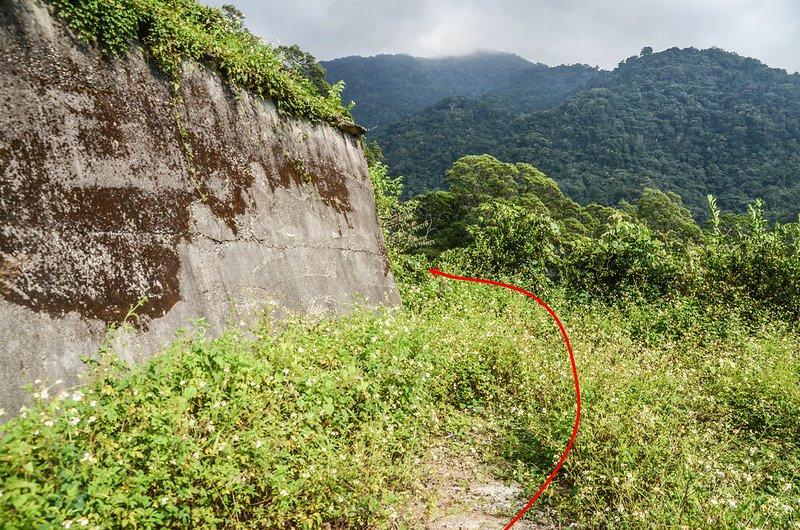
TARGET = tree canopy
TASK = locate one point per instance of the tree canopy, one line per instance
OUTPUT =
(693, 122)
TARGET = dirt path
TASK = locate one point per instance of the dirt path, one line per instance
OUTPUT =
(460, 493)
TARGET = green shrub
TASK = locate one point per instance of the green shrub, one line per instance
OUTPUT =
(508, 241)
(315, 425)
(754, 266)
(625, 259)
(171, 31)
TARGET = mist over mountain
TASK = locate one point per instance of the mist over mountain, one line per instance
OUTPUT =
(387, 88)
(685, 120)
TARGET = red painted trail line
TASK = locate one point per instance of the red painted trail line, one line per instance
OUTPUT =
(437, 272)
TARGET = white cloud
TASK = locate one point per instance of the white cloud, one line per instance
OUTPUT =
(602, 32)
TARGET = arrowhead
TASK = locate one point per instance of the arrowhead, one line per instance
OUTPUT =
(435, 272)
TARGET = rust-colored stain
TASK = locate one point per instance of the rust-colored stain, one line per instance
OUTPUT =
(92, 250)
(217, 164)
(74, 238)
(330, 183)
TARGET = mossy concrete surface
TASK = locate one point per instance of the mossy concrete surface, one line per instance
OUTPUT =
(114, 187)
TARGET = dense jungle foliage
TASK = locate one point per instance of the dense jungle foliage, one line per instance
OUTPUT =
(694, 122)
(391, 87)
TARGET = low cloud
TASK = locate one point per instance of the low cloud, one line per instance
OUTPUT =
(595, 32)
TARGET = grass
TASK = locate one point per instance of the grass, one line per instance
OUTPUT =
(689, 418)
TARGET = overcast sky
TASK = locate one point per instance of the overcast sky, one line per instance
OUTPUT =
(594, 32)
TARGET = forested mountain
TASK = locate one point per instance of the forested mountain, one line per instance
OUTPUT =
(389, 87)
(689, 121)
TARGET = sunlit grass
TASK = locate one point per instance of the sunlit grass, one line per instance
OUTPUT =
(687, 425)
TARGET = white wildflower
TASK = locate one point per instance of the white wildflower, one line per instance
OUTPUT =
(164, 500)
(67, 523)
(84, 521)
(74, 420)
(284, 493)
(92, 419)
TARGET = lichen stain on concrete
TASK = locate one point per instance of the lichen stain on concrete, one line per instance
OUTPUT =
(332, 187)
(221, 178)
(97, 251)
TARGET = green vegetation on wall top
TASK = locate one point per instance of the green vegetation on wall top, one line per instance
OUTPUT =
(171, 31)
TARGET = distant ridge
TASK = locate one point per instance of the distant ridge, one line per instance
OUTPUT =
(387, 88)
(684, 120)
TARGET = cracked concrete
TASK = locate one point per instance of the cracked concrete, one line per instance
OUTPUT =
(100, 206)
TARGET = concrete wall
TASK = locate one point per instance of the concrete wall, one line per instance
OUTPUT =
(100, 205)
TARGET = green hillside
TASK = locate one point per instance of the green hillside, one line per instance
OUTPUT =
(683, 330)
(689, 121)
(390, 87)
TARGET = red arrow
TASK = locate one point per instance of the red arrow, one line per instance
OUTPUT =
(437, 272)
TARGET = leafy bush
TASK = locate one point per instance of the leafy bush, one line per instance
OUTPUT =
(626, 258)
(755, 263)
(171, 31)
(511, 242)
(314, 425)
